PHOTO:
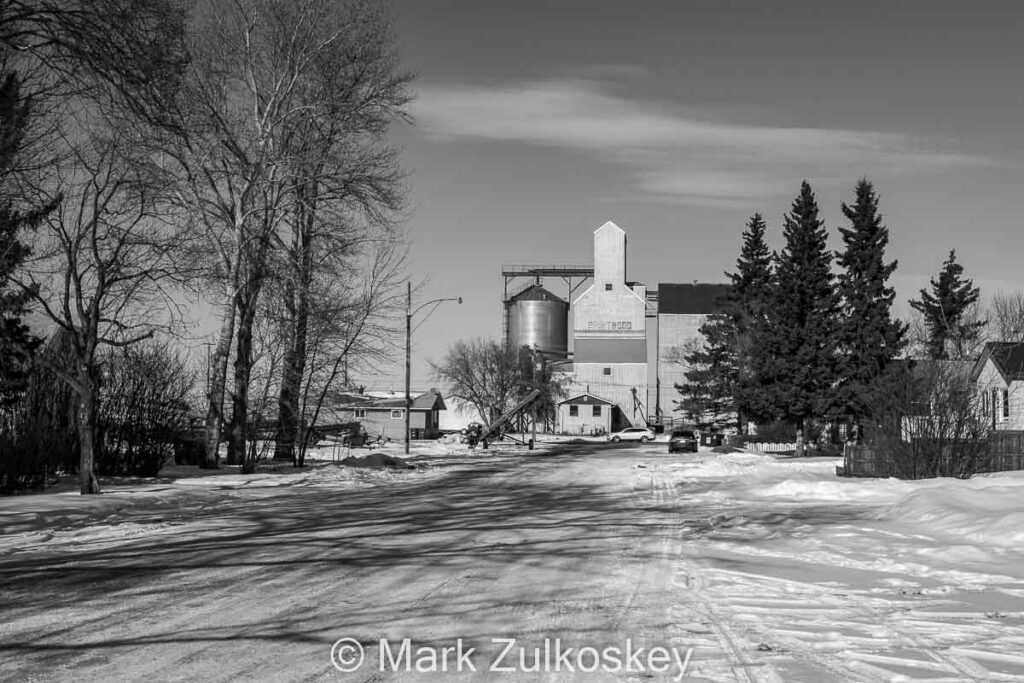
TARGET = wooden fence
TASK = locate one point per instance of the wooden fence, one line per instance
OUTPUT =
(1005, 453)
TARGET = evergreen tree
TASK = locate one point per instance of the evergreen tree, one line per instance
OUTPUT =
(868, 336)
(750, 294)
(709, 394)
(750, 286)
(799, 364)
(721, 384)
(16, 343)
(952, 331)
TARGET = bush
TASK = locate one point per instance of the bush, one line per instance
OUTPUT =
(143, 410)
(931, 424)
(775, 432)
(38, 432)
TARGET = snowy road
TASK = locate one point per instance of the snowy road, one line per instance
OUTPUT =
(757, 570)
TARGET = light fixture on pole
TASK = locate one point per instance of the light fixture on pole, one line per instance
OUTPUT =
(409, 313)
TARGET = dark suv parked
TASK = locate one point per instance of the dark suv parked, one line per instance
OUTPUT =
(684, 440)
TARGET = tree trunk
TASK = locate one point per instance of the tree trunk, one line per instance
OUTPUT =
(218, 378)
(240, 399)
(297, 301)
(291, 383)
(88, 484)
(284, 446)
(800, 439)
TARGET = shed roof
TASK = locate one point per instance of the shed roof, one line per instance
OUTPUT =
(588, 399)
(700, 298)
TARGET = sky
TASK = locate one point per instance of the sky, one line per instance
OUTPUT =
(536, 122)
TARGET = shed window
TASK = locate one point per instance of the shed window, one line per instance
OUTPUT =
(574, 410)
(397, 414)
(360, 412)
(607, 371)
(607, 286)
(1006, 404)
(597, 411)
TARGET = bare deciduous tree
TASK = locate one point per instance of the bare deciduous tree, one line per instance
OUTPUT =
(1006, 317)
(483, 374)
(930, 423)
(102, 266)
(353, 328)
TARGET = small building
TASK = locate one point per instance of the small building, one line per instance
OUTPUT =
(385, 417)
(998, 377)
(587, 414)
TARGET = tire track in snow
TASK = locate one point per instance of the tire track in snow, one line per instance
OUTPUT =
(769, 604)
(694, 618)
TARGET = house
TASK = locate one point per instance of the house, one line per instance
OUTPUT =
(587, 414)
(998, 378)
(386, 416)
(930, 398)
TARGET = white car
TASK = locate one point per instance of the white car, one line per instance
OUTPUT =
(641, 434)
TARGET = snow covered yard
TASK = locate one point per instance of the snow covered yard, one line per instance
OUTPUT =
(863, 579)
(770, 569)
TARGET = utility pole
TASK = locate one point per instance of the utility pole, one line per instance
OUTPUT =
(408, 361)
(409, 313)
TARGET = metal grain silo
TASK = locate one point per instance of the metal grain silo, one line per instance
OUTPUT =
(538, 318)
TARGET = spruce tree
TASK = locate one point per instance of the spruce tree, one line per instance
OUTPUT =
(952, 332)
(750, 285)
(868, 336)
(721, 385)
(799, 367)
(709, 393)
(16, 342)
(748, 301)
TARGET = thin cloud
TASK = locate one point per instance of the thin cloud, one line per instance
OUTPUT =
(586, 115)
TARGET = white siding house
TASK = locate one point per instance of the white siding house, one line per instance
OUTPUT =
(999, 382)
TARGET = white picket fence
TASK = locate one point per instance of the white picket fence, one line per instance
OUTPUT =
(771, 447)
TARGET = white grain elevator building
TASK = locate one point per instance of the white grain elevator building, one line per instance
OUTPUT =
(609, 332)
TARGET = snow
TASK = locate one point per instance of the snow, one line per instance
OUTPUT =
(770, 568)
(987, 510)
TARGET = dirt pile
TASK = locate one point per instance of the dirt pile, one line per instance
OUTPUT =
(378, 461)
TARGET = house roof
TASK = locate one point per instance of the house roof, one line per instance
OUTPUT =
(430, 400)
(589, 399)
(692, 299)
(1008, 357)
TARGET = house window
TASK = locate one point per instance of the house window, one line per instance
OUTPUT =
(397, 414)
(360, 412)
(1006, 404)
(984, 403)
(607, 371)
(607, 286)
(574, 411)
(597, 411)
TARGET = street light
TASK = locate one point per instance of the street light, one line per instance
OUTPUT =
(409, 313)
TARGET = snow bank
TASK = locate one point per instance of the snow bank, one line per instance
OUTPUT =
(986, 510)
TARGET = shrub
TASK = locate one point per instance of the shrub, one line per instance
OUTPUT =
(931, 424)
(143, 409)
(38, 437)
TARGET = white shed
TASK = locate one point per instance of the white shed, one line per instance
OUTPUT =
(585, 414)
